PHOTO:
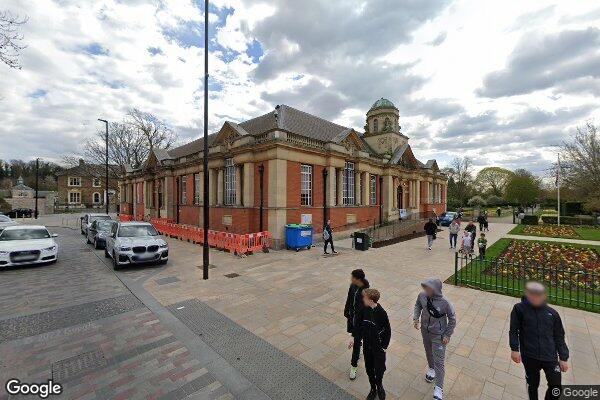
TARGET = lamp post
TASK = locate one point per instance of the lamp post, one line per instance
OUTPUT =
(106, 162)
(205, 254)
(37, 178)
(261, 173)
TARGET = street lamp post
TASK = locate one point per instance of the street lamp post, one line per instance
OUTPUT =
(106, 162)
(37, 178)
(205, 254)
(261, 172)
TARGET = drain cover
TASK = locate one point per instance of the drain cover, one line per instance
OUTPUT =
(232, 275)
(78, 365)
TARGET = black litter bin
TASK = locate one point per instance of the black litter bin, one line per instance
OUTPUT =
(361, 241)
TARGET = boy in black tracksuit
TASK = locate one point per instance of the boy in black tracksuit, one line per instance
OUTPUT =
(375, 331)
(537, 338)
(352, 312)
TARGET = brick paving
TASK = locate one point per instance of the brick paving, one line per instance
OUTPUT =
(295, 301)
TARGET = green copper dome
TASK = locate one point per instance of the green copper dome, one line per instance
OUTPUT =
(383, 103)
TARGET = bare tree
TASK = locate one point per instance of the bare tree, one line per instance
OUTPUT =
(10, 38)
(130, 141)
(581, 157)
(460, 179)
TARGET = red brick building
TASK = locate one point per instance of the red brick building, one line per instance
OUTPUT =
(309, 169)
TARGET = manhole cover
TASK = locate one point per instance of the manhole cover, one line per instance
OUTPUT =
(232, 275)
(168, 279)
(78, 365)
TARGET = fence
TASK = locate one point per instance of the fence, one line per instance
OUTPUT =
(240, 244)
(566, 287)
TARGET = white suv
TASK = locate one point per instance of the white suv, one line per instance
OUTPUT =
(135, 242)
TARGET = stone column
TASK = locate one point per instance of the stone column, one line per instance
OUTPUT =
(357, 185)
(238, 185)
(169, 199)
(340, 187)
(388, 195)
(248, 185)
(331, 187)
(220, 187)
(418, 195)
(212, 193)
(366, 186)
(277, 200)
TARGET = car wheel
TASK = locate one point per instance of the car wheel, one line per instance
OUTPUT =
(163, 262)
(116, 265)
(95, 244)
(106, 252)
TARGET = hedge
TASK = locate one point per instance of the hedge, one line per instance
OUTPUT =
(529, 220)
(581, 220)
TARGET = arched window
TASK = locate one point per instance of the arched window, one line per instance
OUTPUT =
(387, 124)
(96, 198)
(375, 125)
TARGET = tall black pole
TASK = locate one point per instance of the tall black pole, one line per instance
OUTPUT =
(37, 178)
(205, 259)
(106, 162)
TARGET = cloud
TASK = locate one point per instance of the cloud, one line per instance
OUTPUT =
(439, 39)
(540, 62)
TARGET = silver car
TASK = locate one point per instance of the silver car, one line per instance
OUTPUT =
(87, 219)
(6, 222)
(99, 231)
(134, 243)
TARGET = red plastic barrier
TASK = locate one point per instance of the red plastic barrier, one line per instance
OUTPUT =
(125, 217)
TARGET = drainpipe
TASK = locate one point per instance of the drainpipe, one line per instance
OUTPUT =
(325, 173)
(261, 172)
(380, 200)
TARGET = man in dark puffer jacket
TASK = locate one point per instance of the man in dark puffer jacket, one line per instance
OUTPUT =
(537, 338)
(352, 310)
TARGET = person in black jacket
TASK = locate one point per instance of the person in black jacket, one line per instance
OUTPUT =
(430, 229)
(352, 312)
(328, 237)
(537, 338)
(375, 332)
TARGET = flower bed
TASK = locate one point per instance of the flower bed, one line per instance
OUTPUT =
(555, 263)
(550, 231)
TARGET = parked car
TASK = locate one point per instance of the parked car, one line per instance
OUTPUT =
(447, 219)
(87, 219)
(20, 213)
(27, 244)
(134, 243)
(98, 232)
(6, 222)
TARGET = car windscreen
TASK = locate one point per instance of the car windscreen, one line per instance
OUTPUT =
(137, 231)
(23, 234)
(104, 226)
(98, 218)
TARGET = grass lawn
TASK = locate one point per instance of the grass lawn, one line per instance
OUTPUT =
(588, 233)
(567, 284)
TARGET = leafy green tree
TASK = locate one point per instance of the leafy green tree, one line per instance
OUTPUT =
(493, 180)
(495, 200)
(523, 188)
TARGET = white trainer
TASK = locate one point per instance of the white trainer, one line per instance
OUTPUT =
(353, 373)
(437, 393)
(430, 375)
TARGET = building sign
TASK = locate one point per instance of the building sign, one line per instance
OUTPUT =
(306, 219)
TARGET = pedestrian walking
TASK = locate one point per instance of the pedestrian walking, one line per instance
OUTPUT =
(375, 332)
(486, 224)
(453, 230)
(434, 315)
(482, 245)
(328, 237)
(466, 244)
(353, 312)
(472, 229)
(499, 212)
(430, 230)
(481, 221)
(537, 339)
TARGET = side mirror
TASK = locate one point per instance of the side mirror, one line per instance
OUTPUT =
(54, 235)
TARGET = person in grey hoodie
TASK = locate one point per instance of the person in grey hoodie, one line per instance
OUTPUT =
(436, 316)
(454, 229)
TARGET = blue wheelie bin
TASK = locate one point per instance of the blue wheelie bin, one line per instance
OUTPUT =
(298, 236)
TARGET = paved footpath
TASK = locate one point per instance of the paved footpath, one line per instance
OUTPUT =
(103, 336)
(294, 301)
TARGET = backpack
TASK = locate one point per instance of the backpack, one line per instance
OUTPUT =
(325, 235)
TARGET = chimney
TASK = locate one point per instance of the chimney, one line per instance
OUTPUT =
(81, 162)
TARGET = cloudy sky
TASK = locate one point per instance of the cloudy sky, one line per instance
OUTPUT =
(501, 81)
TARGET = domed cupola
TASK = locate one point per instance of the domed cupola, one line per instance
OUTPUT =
(382, 130)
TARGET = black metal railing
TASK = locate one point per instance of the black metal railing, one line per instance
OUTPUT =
(397, 228)
(569, 287)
